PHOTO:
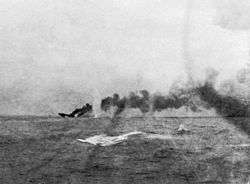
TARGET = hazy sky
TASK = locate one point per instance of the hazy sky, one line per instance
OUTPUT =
(50, 48)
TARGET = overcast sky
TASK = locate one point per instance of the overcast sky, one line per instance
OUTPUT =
(99, 47)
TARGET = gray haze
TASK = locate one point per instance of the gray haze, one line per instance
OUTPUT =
(56, 54)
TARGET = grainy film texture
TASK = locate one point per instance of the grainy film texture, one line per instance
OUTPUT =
(124, 91)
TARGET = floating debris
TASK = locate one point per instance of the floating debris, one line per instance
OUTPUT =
(182, 129)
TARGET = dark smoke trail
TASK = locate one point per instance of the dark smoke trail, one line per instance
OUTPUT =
(229, 107)
(146, 102)
(225, 105)
(132, 101)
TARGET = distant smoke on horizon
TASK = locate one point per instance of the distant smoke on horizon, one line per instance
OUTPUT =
(224, 100)
(147, 102)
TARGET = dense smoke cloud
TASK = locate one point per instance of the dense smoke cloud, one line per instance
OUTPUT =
(146, 102)
(224, 99)
(232, 108)
(141, 101)
(227, 106)
(192, 97)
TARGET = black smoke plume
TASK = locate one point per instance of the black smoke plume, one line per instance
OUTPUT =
(233, 109)
(230, 107)
(141, 101)
(175, 101)
(147, 102)
(226, 106)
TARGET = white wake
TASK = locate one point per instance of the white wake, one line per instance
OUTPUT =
(105, 140)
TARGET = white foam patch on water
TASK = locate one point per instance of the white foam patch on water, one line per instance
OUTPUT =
(159, 136)
(105, 140)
